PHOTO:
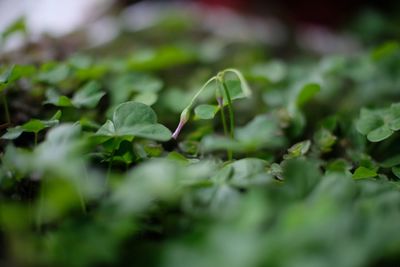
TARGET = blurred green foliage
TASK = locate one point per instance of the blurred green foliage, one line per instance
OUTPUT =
(313, 180)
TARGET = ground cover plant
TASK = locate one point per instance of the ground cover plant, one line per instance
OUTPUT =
(200, 151)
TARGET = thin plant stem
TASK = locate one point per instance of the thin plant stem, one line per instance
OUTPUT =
(6, 110)
(224, 124)
(186, 112)
(223, 118)
(230, 109)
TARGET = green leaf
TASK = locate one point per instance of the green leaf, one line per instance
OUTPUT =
(161, 58)
(395, 124)
(132, 113)
(32, 126)
(306, 93)
(150, 131)
(88, 96)
(206, 112)
(249, 171)
(107, 129)
(379, 134)
(235, 90)
(245, 89)
(18, 25)
(363, 173)
(396, 171)
(134, 119)
(5, 78)
(369, 120)
(22, 71)
(385, 50)
(123, 86)
(273, 72)
(324, 139)
(54, 98)
(261, 132)
(13, 133)
(148, 98)
(391, 162)
(380, 124)
(300, 176)
(338, 165)
(53, 73)
(298, 149)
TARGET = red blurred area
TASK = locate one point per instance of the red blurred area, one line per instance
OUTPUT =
(234, 4)
(327, 12)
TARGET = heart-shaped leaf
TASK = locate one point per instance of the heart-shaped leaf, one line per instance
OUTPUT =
(134, 119)
(54, 98)
(32, 126)
(369, 120)
(380, 133)
(53, 73)
(364, 173)
(86, 97)
(380, 124)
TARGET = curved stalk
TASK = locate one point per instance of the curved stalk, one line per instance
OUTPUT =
(245, 87)
(186, 112)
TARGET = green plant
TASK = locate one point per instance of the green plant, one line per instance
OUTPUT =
(305, 172)
(224, 96)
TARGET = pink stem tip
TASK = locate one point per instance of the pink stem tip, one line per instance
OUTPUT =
(178, 129)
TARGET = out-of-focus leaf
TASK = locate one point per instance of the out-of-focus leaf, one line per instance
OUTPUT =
(307, 92)
(298, 149)
(363, 173)
(18, 25)
(32, 126)
(88, 96)
(206, 112)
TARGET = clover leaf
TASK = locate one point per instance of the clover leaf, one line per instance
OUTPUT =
(32, 126)
(134, 119)
(364, 173)
(379, 125)
(261, 132)
(298, 150)
(86, 97)
(53, 73)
